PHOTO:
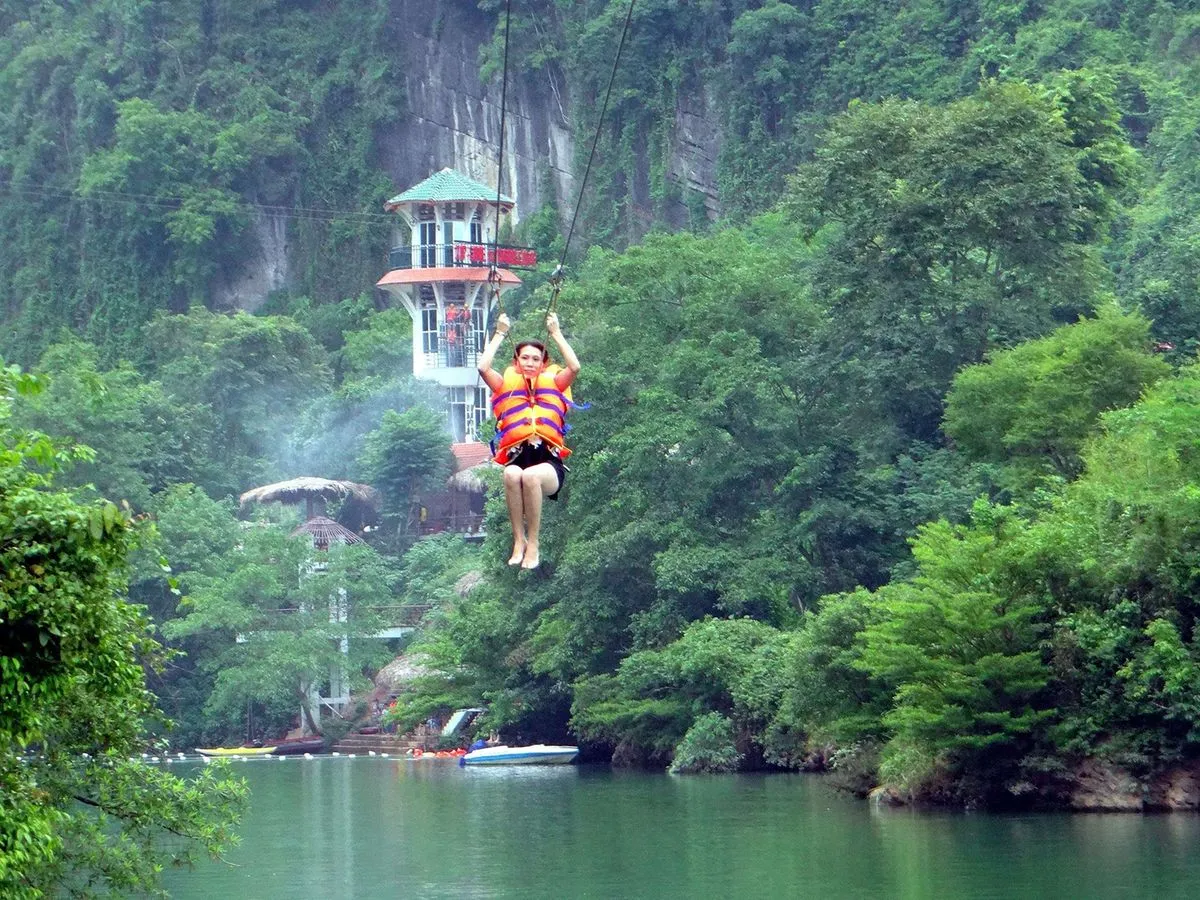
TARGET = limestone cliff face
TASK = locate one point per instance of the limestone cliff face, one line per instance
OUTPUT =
(453, 119)
(697, 141)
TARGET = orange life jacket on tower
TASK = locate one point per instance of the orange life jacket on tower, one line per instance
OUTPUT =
(530, 410)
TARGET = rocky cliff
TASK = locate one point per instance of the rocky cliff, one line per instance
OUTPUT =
(451, 117)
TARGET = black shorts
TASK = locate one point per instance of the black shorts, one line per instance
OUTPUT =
(532, 456)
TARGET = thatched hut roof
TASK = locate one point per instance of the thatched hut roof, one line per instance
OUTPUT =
(309, 488)
(469, 480)
(402, 670)
(471, 460)
(325, 531)
(468, 583)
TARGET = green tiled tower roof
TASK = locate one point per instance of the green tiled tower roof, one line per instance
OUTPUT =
(446, 186)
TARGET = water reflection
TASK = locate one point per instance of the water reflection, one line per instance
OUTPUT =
(371, 827)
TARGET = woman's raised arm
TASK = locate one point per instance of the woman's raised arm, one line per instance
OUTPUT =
(491, 377)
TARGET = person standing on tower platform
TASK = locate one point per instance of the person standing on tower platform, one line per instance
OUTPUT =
(455, 334)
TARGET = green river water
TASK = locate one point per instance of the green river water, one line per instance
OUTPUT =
(375, 827)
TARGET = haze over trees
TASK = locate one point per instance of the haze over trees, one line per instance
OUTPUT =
(888, 468)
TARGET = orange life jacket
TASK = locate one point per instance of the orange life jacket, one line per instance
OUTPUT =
(530, 409)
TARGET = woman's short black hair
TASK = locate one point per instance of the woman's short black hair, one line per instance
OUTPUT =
(538, 344)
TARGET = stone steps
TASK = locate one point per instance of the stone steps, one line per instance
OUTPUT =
(395, 744)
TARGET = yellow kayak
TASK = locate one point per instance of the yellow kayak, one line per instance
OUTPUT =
(235, 751)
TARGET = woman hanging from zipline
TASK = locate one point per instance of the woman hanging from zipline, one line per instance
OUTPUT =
(530, 401)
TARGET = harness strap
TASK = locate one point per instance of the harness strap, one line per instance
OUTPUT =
(550, 423)
(506, 429)
(515, 409)
(498, 398)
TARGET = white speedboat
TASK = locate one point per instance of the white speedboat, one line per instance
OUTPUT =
(534, 754)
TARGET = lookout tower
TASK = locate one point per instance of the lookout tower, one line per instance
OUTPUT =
(442, 277)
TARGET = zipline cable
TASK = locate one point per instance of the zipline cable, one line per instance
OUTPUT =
(494, 271)
(102, 197)
(556, 277)
(494, 274)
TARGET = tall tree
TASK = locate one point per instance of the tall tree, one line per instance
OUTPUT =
(408, 452)
(950, 230)
(959, 646)
(1119, 555)
(1032, 407)
(284, 619)
(80, 816)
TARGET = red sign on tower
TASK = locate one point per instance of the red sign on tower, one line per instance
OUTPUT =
(486, 255)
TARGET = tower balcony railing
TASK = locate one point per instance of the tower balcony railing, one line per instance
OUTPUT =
(449, 356)
(451, 347)
(466, 254)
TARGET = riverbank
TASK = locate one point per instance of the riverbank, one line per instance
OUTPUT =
(1093, 786)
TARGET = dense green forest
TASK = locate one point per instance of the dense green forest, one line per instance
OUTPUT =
(890, 470)
(83, 814)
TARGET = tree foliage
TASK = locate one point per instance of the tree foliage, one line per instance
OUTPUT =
(959, 645)
(1032, 407)
(281, 620)
(253, 374)
(708, 746)
(80, 816)
(955, 229)
(144, 438)
(771, 545)
(713, 684)
(152, 151)
(1119, 551)
(408, 452)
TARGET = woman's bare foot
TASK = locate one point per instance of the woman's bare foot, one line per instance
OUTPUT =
(518, 554)
(532, 558)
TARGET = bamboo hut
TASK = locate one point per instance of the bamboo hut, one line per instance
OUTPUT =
(324, 531)
(360, 501)
(459, 507)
